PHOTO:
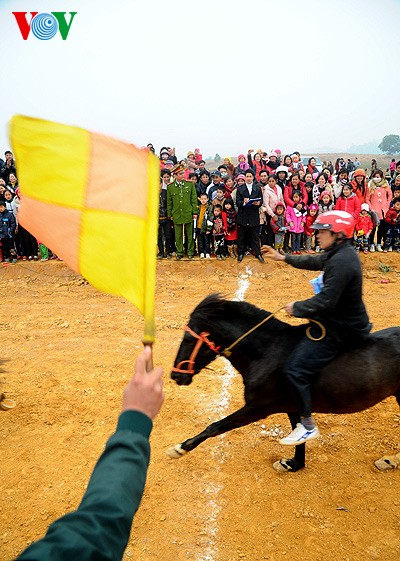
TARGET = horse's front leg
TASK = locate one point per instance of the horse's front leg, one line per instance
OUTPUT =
(244, 416)
(299, 460)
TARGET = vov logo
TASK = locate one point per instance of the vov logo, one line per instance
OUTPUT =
(44, 26)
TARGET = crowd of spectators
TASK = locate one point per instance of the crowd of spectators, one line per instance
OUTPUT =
(271, 198)
(255, 199)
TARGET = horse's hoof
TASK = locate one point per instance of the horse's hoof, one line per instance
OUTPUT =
(284, 466)
(176, 452)
(388, 463)
(7, 404)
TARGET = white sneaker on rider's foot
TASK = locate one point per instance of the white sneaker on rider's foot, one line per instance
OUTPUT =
(300, 435)
(379, 247)
(372, 248)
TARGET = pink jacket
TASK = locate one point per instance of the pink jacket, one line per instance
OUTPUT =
(298, 220)
(271, 199)
(379, 200)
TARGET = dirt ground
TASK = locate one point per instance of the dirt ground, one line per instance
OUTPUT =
(67, 352)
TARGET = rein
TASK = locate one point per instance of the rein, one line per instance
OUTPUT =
(203, 338)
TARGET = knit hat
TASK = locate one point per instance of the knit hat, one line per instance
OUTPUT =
(273, 153)
(241, 156)
(313, 206)
(190, 153)
(282, 168)
(360, 172)
(325, 193)
(279, 204)
(241, 176)
(365, 206)
(216, 173)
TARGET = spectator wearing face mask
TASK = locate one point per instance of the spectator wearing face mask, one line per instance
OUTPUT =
(379, 195)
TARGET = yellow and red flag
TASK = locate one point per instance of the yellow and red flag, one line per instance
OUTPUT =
(93, 200)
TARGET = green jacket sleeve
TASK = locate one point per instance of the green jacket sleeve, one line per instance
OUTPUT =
(99, 529)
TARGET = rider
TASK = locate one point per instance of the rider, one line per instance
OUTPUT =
(338, 306)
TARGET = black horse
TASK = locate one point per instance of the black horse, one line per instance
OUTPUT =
(352, 382)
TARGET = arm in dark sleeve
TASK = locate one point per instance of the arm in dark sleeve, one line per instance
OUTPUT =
(337, 281)
(310, 262)
(239, 198)
(193, 201)
(169, 203)
(99, 529)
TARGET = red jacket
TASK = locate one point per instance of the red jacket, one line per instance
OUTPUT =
(309, 222)
(392, 217)
(350, 204)
(365, 224)
(233, 234)
(288, 191)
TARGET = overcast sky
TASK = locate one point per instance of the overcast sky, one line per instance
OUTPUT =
(221, 75)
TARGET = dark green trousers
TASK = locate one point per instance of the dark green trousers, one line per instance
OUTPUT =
(188, 236)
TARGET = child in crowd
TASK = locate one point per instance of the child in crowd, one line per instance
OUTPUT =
(325, 202)
(296, 220)
(278, 225)
(220, 197)
(308, 231)
(218, 233)
(363, 229)
(7, 230)
(197, 156)
(8, 198)
(348, 201)
(230, 227)
(204, 226)
(396, 193)
(392, 219)
(309, 186)
(297, 165)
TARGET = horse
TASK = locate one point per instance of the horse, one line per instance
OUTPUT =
(257, 344)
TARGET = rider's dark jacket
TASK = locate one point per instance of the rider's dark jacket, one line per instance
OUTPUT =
(339, 305)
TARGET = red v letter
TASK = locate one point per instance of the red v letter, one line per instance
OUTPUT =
(23, 25)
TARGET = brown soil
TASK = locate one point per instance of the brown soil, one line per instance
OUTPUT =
(67, 352)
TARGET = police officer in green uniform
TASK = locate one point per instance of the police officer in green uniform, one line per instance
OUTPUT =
(182, 208)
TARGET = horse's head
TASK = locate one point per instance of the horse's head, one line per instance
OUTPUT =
(198, 346)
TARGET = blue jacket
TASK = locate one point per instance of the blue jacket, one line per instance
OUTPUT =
(7, 224)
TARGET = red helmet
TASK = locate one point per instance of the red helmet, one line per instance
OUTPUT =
(337, 221)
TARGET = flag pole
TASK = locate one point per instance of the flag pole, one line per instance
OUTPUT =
(149, 363)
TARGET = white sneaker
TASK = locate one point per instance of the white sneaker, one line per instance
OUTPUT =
(379, 247)
(208, 256)
(390, 248)
(299, 435)
(201, 255)
(372, 248)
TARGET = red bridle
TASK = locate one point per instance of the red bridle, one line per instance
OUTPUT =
(202, 338)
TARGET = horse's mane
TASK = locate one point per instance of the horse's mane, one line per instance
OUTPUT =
(215, 305)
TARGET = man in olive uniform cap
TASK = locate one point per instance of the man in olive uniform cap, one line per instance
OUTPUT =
(182, 208)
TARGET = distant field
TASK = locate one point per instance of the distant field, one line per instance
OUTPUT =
(365, 159)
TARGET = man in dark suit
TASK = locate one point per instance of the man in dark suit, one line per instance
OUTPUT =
(248, 200)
